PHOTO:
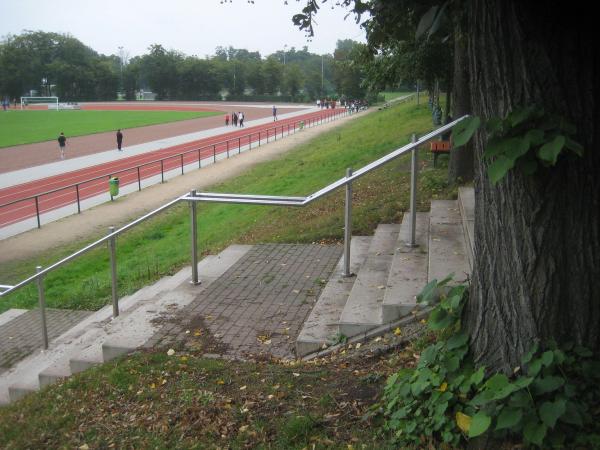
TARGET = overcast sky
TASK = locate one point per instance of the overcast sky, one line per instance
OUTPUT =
(194, 27)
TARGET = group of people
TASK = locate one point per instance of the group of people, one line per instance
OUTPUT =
(62, 142)
(236, 118)
(356, 105)
(326, 103)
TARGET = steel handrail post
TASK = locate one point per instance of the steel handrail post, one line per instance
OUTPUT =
(259, 138)
(414, 168)
(78, 201)
(42, 303)
(162, 171)
(37, 211)
(182, 164)
(214, 154)
(109, 191)
(112, 249)
(239, 145)
(139, 179)
(199, 159)
(194, 237)
(227, 149)
(348, 225)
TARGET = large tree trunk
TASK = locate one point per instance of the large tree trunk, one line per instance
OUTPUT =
(460, 167)
(537, 238)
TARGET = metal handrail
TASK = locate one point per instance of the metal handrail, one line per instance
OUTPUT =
(192, 198)
(320, 116)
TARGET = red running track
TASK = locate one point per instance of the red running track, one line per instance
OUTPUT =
(26, 200)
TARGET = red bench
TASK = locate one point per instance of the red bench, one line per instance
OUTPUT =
(439, 147)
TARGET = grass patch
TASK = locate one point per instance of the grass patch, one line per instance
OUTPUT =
(26, 127)
(395, 94)
(380, 197)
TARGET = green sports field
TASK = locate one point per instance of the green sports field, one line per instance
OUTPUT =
(26, 127)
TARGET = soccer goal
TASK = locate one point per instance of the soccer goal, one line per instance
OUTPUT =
(52, 102)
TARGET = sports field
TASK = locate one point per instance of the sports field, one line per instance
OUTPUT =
(26, 127)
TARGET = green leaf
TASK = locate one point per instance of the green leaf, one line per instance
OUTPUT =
(518, 147)
(573, 415)
(479, 424)
(547, 384)
(523, 382)
(498, 169)
(520, 115)
(549, 151)
(575, 147)
(534, 432)
(528, 166)
(437, 21)
(534, 367)
(426, 21)
(464, 130)
(426, 295)
(477, 377)
(550, 412)
(535, 137)
(527, 357)
(440, 319)
(456, 341)
(508, 418)
(494, 125)
(429, 355)
(547, 358)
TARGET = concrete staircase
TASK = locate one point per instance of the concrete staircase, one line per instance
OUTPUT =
(100, 338)
(389, 274)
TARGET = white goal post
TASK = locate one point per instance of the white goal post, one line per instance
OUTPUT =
(52, 102)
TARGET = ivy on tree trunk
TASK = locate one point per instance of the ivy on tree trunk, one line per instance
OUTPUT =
(537, 238)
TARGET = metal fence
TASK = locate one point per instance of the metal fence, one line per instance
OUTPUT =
(74, 191)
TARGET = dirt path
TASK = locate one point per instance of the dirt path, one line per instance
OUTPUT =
(95, 221)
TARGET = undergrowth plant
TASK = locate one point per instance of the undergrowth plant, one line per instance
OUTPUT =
(551, 401)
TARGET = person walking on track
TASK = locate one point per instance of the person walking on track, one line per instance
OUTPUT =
(226, 119)
(119, 139)
(274, 113)
(62, 143)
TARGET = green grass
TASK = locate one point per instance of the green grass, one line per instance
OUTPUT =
(161, 245)
(392, 95)
(25, 127)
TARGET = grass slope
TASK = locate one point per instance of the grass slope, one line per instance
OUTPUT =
(26, 127)
(161, 245)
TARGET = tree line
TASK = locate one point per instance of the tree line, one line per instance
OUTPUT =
(61, 65)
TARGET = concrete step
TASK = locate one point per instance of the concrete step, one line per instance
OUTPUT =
(94, 332)
(408, 272)
(466, 202)
(100, 337)
(10, 315)
(321, 327)
(447, 248)
(363, 308)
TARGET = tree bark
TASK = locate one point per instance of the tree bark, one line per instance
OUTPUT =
(537, 238)
(461, 166)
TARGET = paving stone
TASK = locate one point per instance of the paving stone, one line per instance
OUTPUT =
(271, 284)
(23, 335)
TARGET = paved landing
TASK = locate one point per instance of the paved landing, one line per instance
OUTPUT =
(258, 306)
(23, 335)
